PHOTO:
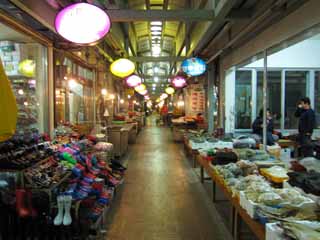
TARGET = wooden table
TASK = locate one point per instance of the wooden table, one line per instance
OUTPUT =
(237, 212)
(287, 144)
(191, 152)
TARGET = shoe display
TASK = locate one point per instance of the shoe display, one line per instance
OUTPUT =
(67, 171)
(67, 202)
(59, 218)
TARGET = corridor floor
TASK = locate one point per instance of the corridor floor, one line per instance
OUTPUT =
(162, 197)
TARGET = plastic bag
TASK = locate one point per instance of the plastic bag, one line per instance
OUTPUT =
(8, 107)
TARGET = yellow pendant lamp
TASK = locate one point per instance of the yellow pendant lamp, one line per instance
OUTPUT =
(170, 90)
(140, 88)
(122, 67)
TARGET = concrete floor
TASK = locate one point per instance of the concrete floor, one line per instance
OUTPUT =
(162, 197)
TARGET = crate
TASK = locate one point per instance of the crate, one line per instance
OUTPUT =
(264, 172)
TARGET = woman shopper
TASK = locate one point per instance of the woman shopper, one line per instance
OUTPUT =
(257, 127)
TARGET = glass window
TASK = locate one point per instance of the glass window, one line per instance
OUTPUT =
(74, 94)
(243, 100)
(273, 95)
(296, 88)
(26, 67)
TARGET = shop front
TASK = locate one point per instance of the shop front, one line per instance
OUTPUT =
(292, 73)
(25, 62)
(74, 92)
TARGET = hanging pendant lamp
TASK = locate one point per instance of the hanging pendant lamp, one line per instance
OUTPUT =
(179, 82)
(122, 67)
(82, 23)
(170, 90)
(133, 80)
(140, 88)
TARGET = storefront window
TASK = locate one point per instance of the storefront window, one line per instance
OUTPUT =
(243, 100)
(26, 67)
(74, 94)
(273, 95)
(295, 89)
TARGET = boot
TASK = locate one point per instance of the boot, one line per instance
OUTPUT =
(33, 212)
(59, 218)
(21, 207)
(67, 220)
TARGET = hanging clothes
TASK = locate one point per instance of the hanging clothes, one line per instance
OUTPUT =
(8, 107)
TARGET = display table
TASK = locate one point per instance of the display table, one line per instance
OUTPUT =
(191, 152)
(287, 144)
(237, 213)
(119, 137)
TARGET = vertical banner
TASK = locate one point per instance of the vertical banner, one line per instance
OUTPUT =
(195, 99)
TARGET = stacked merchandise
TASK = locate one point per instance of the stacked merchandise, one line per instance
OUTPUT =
(286, 212)
(69, 181)
(283, 200)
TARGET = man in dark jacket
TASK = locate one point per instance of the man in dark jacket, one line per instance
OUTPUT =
(307, 119)
(257, 127)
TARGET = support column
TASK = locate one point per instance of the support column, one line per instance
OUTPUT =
(265, 79)
(211, 99)
(95, 78)
(51, 89)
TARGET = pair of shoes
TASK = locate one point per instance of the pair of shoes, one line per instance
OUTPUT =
(64, 206)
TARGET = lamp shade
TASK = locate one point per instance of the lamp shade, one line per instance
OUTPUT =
(179, 82)
(140, 88)
(82, 23)
(122, 67)
(170, 90)
(163, 96)
(133, 80)
(194, 66)
(144, 92)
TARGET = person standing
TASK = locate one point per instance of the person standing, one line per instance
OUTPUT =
(307, 121)
(164, 113)
(257, 127)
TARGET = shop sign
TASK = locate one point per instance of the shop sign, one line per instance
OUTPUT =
(194, 66)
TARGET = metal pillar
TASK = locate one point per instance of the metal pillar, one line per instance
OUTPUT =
(51, 90)
(265, 79)
(210, 97)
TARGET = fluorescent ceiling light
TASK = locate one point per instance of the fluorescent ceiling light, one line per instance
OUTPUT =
(156, 33)
(155, 37)
(156, 69)
(156, 50)
(154, 85)
(156, 28)
(156, 79)
(156, 23)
